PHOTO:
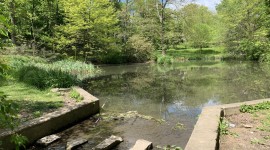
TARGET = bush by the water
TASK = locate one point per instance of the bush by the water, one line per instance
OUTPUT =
(164, 59)
(42, 78)
(139, 49)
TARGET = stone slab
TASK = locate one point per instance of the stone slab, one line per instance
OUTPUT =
(75, 143)
(55, 121)
(45, 141)
(109, 143)
(142, 145)
(205, 134)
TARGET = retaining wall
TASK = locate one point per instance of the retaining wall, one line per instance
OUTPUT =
(205, 135)
(55, 121)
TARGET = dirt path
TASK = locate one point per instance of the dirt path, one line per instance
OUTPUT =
(247, 131)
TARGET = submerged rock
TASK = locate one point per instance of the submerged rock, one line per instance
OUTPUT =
(109, 143)
(75, 143)
(45, 141)
(142, 145)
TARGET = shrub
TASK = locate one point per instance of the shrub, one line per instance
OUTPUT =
(3, 70)
(161, 59)
(139, 49)
(113, 57)
(9, 119)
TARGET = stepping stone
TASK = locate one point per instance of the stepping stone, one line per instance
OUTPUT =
(109, 143)
(45, 141)
(75, 143)
(142, 145)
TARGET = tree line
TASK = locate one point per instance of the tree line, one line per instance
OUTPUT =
(118, 31)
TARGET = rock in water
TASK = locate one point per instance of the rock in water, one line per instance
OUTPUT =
(75, 143)
(109, 143)
(142, 145)
(45, 141)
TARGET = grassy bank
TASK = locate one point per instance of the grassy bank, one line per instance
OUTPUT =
(27, 80)
(30, 100)
(182, 54)
(41, 74)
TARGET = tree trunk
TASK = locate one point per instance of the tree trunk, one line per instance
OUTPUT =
(162, 21)
(13, 21)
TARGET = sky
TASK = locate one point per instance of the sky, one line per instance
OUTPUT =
(211, 4)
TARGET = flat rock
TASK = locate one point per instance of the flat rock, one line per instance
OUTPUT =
(54, 90)
(247, 126)
(45, 141)
(142, 145)
(60, 90)
(64, 89)
(75, 143)
(109, 143)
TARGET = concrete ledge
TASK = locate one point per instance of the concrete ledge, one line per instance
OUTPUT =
(55, 121)
(205, 135)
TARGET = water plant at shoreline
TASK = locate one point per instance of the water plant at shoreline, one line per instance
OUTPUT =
(41, 74)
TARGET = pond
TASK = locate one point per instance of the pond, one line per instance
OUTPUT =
(171, 97)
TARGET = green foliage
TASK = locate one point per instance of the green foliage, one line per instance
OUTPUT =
(9, 119)
(74, 94)
(41, 74)
(223, 127)
(8, 112)
(245, 33)
(76, 68)
(139, 49)
(45, 78)
(19, 141)
(265, 124)
(4, 26)
(254, 108)
(89, 32)
(113, 57)
(198, 25)
(3, 70)
(161, 59)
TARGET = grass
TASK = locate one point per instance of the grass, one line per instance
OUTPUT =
(31, 99)
(255, 108)
(38, 72)
(196, 54)
(223, 127)
(74, 94)
(260, 111)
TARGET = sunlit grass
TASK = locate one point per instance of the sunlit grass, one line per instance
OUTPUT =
(31, 99)
(196, 54)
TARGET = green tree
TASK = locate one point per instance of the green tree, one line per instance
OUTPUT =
(89, 28)
(197, 25)
(246, 27)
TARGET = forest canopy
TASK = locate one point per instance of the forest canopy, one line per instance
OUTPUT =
(120, 31)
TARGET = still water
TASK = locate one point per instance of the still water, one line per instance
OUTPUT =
(174, 94)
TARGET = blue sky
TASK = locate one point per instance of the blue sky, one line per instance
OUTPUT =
(211, 4)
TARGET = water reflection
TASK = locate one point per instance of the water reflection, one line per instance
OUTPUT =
(177, 93)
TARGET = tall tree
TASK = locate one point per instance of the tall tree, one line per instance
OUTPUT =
(89, 26)
(197, 24)
(246, 22)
